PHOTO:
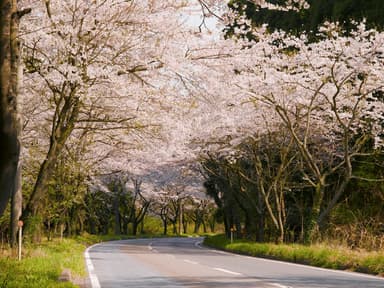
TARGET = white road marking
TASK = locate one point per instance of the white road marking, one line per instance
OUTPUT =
(151, 248)
(279, 285)
(198, 244)
(191, 262)
(91, 269)
(227, 271)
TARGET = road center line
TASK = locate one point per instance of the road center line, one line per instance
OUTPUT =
(227, 271)
(280, 286)
(191, 262)
(151, 248)
(198, 244)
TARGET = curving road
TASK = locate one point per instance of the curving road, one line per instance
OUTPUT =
(182, 262)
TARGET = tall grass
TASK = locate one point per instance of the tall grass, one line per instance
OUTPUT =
(320, 255)
(42, 265)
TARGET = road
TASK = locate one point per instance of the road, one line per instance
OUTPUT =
(182, 262)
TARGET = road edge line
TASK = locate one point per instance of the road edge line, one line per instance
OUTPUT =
(227, 271)
(91, 269)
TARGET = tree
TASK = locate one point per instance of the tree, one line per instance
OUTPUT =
(8, 122)
(222, 184)
(10, 117)
(80, 56)
(337, 93)
(161, 208)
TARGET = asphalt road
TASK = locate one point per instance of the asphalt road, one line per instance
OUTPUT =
(182, 262)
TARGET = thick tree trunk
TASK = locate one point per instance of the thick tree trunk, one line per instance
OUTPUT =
(134, 227)
(165, 225)
(17, 73)
(9, 145)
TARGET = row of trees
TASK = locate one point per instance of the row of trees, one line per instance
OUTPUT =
(94, 78)
(134, 86)
(92, 72)
(263, 192)
(318, 138)
(115, 205)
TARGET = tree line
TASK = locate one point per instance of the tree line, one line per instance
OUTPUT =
(260, 191)
(317, 168)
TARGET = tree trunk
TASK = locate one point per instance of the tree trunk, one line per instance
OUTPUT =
(9, 124)
(62, 127)
(16, 207)
(134, 227)
(180, 218)
(165, 224)
(197, 227)
(185, 226)
(212, 224)
(116, 205)
(124, 225)
(312, 229)
(17, 74)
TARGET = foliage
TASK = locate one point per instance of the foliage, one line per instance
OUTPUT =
(309, 19)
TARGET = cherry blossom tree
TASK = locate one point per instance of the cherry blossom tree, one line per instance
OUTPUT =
(326, 94)
(92, 63)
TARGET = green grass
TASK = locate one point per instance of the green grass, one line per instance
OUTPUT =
(319, 255)
(42, 264)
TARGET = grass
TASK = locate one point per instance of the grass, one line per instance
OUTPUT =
(319, 255)
(43, 263)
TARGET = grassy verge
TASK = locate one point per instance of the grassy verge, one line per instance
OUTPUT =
(42, 264)
(316, 255)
